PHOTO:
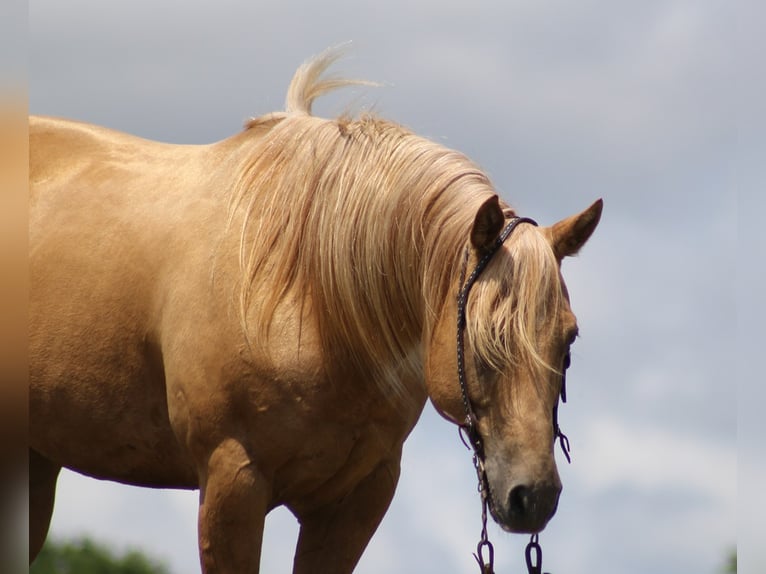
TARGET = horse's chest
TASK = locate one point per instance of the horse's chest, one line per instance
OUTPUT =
(334, 453)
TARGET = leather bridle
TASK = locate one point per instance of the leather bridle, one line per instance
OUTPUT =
(469, 428)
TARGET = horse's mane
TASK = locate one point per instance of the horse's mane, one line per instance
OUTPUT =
(370, 220)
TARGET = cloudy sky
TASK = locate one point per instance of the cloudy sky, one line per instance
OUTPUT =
(561, 103)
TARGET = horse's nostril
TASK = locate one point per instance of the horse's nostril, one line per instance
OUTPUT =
(519, 501)
(528, 508)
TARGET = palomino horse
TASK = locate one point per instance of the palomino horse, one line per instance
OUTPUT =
(264, 318)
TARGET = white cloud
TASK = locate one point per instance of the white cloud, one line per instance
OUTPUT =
(687, 485)
(279, 539)
(648, 458)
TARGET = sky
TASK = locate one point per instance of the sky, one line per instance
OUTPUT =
(561, 103)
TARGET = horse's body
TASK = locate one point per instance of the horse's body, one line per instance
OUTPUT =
(263, 319)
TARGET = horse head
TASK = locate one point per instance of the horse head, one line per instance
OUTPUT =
(496, 366)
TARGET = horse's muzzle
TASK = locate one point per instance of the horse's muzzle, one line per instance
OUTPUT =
(526, 508)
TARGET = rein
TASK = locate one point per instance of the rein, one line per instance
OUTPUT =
(469, 430)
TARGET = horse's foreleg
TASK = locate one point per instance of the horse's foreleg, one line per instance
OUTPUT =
(333, 538)
(234, 498)
(42, 490)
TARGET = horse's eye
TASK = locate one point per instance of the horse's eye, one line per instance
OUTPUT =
(570, 341)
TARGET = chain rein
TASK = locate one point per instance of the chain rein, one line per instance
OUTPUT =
(485, 552)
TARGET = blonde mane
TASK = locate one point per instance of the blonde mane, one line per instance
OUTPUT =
(370, 220)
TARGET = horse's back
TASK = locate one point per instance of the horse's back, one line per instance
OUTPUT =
(57, 147)
(62, 152)
(101, 215)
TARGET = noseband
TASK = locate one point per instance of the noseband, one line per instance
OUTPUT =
(470, 427)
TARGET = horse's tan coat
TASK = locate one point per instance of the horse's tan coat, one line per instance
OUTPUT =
(141, 370)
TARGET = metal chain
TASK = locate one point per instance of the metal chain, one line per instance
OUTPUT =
(534, 556)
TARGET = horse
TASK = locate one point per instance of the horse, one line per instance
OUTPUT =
(264, 318)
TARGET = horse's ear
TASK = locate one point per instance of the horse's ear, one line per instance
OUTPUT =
(570, 234)
(488, 224)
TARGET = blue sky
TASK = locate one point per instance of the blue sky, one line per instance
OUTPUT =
(561, 103)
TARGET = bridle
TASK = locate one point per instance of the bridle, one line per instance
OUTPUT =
(469, 429)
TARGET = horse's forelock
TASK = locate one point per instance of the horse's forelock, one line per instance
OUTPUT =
(516, 303)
